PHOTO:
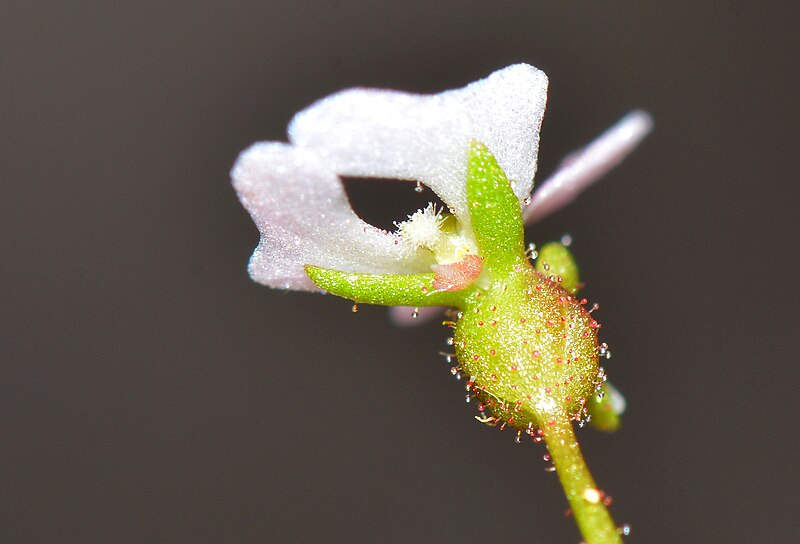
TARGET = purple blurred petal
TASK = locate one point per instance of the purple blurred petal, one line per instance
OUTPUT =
(582, 168)
(402, 315)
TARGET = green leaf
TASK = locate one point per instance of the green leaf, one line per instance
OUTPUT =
(385, 289)
(494, 212)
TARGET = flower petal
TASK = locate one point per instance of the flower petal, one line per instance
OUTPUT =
(582, 168)
(301, 210)
(390, 134)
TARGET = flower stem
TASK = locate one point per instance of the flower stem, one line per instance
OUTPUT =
(585, 499)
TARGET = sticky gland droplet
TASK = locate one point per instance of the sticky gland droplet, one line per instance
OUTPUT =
(592, 495)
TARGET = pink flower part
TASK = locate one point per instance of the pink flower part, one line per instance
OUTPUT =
(582, 168)
(457, 276)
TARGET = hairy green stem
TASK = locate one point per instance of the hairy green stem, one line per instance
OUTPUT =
(585, 499)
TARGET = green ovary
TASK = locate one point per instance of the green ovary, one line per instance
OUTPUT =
(530, 350)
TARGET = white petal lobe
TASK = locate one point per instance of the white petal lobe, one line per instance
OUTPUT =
(390, 134)
(301, 210)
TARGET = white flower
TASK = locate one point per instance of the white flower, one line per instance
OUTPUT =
(297, 200)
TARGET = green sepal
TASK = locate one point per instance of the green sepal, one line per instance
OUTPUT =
(385, 289)
(494, 212)
(601, 410)
(557, 261)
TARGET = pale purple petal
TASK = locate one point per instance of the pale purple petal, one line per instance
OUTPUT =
(300, 208)
(391, 134)
(584, 167)
(404, 315)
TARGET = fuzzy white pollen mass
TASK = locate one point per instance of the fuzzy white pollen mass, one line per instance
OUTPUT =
(423, 228)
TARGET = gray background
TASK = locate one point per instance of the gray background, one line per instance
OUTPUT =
(151, 393)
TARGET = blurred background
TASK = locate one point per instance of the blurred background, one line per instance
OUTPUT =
(150, 392)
